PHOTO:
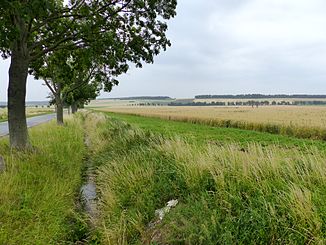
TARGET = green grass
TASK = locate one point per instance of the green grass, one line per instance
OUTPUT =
(203, 134)
(233, 186)
(39, 189)
(226, 195)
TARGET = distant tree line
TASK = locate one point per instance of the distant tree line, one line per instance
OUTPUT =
(248, 103)
(146, 98)
(148, 104)
(314, 102)
(197, 104)
(261, 96)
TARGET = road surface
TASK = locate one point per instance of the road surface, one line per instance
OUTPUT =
(31, 122)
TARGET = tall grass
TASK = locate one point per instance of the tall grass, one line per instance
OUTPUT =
(39, 189)
(227, 194)
(94, 130)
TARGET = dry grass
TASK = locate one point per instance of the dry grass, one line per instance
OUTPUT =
(93, 126)
(30, 111)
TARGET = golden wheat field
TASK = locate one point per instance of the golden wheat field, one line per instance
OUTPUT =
(302, 116)
(262, 99)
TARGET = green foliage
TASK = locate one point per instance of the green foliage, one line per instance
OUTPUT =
(82, 95)
(116, 33)
(72, 77)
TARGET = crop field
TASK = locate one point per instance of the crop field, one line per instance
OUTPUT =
(262, 99)
(30, 111)
(313, 116)
(298, 121)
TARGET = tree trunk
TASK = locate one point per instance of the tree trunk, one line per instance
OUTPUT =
(74, 108)
(59, 104)
(18, 72)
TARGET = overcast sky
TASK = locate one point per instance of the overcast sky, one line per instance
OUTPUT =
(229, 47)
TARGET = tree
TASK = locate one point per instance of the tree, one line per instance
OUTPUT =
(64, 72)
(72, 82)
(123, 31)
(55, 73)
(75, 77)
(83, 95)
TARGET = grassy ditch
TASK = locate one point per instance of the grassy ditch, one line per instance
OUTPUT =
(39, 189)
(226, 194)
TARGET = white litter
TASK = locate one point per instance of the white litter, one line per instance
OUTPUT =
(161, 212)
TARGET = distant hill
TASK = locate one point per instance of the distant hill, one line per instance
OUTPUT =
(262, 96)
(140, 98)
(39, 103)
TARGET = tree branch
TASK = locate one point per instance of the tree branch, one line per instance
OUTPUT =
(35, 56)
(83, 83)
(50, 87)
(60, 15)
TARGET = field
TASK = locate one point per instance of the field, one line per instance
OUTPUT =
(268, 99)
(312, 116)
(228, 185)
(297, 121)
(30, 112)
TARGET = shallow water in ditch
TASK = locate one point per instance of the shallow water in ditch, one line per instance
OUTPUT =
(89, 197)
(88, 192)
(88, 189)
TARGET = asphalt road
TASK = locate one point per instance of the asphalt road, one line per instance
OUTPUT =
(31, 122)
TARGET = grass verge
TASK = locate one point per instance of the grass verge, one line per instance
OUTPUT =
(226, 195)
(38, 189)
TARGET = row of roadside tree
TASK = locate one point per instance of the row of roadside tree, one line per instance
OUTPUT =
(77, 47)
